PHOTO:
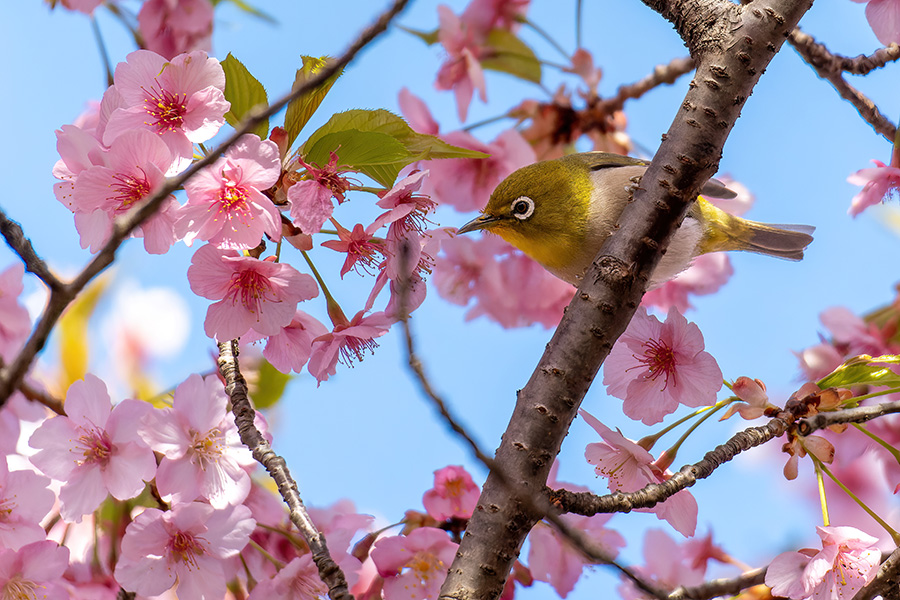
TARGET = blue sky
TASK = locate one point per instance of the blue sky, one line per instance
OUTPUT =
(366, 434)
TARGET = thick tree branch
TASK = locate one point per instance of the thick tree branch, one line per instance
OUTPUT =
(244, 416)
(859, 414)
(60, 298)
(831, 68)
(732, 46)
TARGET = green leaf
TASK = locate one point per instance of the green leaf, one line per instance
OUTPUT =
(863, 370)
(375, 154)
(269, 387)
(301, 109)
(509, 54)
(244, 92)
(429, 37)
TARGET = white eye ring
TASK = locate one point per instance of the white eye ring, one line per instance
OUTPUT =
(522, 207)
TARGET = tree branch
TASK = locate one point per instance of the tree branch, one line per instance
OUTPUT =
(732, 46)
(859, 414)
(662, 74)
(885, 581)
(720, 587)
(21, 245)
(831, 68)
(244, 415)
(122, 227)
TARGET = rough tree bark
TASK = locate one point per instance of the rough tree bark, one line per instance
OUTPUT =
(732, 45)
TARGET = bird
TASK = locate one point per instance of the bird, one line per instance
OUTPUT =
(559, 212)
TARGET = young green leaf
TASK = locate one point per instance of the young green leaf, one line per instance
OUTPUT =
(300, 110)
(429, 37)
(375, 154)
(244, 92)
(509, 54)
(863, 370)
(268, 387)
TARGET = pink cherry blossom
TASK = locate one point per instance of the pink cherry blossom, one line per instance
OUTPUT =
(485, 15)
(414, 566)
(668, 565)
(134, 167)
(362, 249)
(186, 545)
(202, 452)
(78, 150)
(347, 342)
(340, 523)
(755, 400)
(289, 350)
(466, 183)
(94, 450)
(182, 100)
(311, 198)
(34, 571)
(853, 334)
(226, 205)
(881, 182)
(884, 19)
(554, 560)
(297, 580)
(15, 323)
(655, 366)
(406, 208)
(24, 502)
(847, 561)
(454, 494)
(251, 293)
(461, 71)
(85, 6)
(416, 113)
(463, 262)
(171, 27)
(818, 361)
(629, 467)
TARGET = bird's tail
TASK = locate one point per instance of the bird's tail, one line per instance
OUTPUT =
(735, 233)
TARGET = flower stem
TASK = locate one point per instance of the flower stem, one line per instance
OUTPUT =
(652, 438)
(334, 309)
(485, 122)
(101, 45)
(710, 411)
(578, 15)
(823, 501)
(894, 535)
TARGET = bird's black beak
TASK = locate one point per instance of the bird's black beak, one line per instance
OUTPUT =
(482, 222)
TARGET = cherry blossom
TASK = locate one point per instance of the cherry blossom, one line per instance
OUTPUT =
(414, 566)
(755, 400)
(182, 100)
(186, 545)
(461, 71)
(94, 450)
(134, 167)
(347, 342)
(172, 27)
(310, 198)
(289, 350)
(706, 275)
(24, 502)
(226, 205)
(629, 467)
(881, 182)
(655, 366)
(34, 571)
(485, 15)
(884, 19)
(251, 293)
(15, 323)
(202, 452)
(668, 565)
(363, 250)
(454, 494)
(847, 561)
(405, 207)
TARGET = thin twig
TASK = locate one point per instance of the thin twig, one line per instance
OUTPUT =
(720, 587)
(859, 414)
(122, 227)
(21, 245)
(589, 504)
(885, 581)
(577, 538)
(42, 397)
(662, 74)
(244, 416)
(831, 68)
(821, 56)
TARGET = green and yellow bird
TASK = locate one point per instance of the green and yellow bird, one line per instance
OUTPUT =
(559, 212)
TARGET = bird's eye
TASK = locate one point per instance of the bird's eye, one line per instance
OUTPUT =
(522, 207)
